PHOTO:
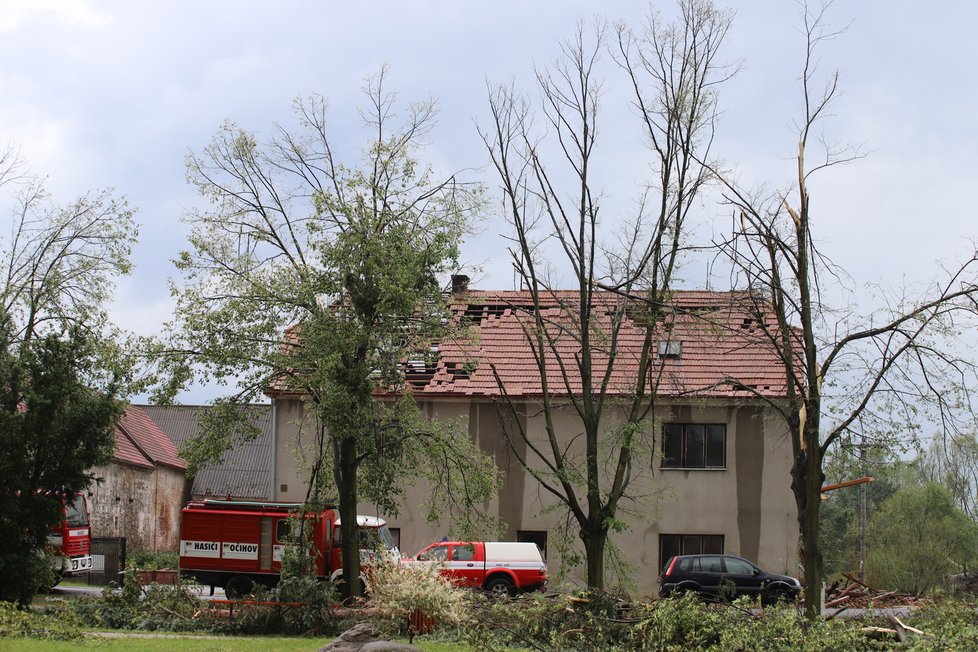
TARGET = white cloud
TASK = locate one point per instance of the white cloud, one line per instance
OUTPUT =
(66, 12)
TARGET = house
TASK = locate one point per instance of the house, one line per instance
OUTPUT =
(714, 471)
(244, 471)
(140, 492)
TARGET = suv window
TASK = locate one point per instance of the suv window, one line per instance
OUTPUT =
(708, 564)
(738, 566)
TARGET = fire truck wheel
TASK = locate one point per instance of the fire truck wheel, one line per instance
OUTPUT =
(238, 586)
(338, 583)
(500, 586)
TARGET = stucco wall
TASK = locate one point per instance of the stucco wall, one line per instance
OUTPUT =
(749, 501)
(142, 505)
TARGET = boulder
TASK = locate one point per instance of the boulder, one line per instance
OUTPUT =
(365, 638)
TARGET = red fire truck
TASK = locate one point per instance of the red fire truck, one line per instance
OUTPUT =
(70, 542)
(236, 544)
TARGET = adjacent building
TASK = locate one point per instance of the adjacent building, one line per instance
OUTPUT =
(244, 471)
(138, 495)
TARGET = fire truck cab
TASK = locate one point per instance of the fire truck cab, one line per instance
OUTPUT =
(70, 542)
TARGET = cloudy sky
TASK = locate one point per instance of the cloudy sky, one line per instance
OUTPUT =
(115, 93)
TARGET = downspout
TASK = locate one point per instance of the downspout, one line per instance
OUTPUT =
(271, 492)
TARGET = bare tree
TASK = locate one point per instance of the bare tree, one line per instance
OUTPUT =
(59, 262)
(885, 367)
(547, 173)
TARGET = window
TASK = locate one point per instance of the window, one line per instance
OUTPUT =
(694, 446)
(282, 531)
(396, 535)
(463, 552)
(538, 537)
(671, 545)
(670, 349)
(738, 566)
(76, 513)
(438, 553)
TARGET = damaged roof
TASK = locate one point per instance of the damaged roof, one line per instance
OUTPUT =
(704, 344)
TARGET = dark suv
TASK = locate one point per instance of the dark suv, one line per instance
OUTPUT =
(724, 576)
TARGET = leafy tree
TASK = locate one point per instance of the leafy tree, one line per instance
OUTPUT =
(888, 368)
(54, 427)
(953, 462)
(918, 537)
(547, 171)
(316, 278)
(61, 366)
(840, 528)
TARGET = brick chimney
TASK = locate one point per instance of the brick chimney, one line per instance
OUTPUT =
(460, 283)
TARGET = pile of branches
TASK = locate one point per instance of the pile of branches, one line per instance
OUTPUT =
(965, 583)
(849, 592)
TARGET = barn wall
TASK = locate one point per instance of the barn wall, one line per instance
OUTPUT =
(142, 505)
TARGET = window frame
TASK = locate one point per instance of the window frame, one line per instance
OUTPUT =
(686, 543)
(709, 453)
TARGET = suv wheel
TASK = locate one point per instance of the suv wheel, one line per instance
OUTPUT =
(775, 594)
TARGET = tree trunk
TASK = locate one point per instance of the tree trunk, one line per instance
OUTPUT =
(807, 480)
(595, 540)
(346, 476)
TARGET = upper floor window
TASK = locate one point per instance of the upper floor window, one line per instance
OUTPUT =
(694, 446)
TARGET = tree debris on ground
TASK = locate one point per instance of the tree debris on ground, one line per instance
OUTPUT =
(851, 593)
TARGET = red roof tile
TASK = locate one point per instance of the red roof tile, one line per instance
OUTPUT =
(141, 443)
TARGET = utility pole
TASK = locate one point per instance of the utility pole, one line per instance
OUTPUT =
(862, 517)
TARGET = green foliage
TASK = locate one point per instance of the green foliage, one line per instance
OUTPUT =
(947, 625)
(153, 559)
(839, 514)
(917, 538)
(953, 462)
(297, 605)
(400, 593)
(680, 625)
(16, 622)
(155, 608)
(56, 423)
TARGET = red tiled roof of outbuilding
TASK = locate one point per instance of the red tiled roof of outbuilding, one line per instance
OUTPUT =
(140, 442)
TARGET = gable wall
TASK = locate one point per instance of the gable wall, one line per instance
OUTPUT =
(143, 505)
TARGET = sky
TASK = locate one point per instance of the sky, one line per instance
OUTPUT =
(115, 93)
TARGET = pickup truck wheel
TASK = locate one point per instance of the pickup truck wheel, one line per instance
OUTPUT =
(500, 586)
(238, 586)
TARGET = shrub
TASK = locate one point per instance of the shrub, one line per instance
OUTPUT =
(304, 609)
(154, 559)
(15, 622)
(159, 607)
(414, 596)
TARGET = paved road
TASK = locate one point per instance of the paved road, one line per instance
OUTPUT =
(80, 589)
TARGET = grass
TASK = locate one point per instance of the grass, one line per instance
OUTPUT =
(173, 643)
